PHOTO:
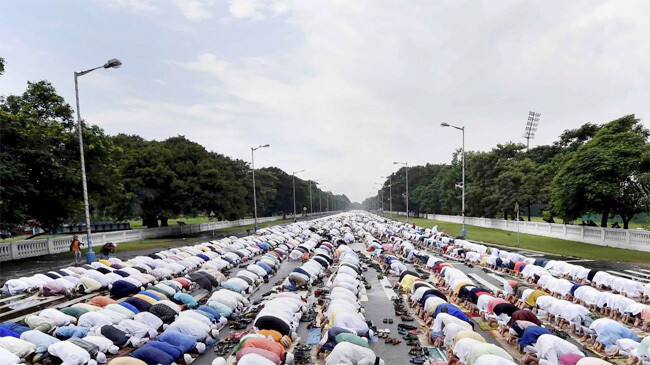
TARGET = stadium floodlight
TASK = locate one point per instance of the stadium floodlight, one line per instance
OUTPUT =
(531, 127)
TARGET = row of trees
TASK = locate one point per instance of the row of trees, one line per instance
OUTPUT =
(128, 176)
(594, 169)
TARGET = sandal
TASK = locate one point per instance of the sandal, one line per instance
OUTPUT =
(417, 360)
(414, 343)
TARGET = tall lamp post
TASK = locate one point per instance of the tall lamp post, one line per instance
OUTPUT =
(407, 187)
(463, 231)
(320, 199)
(112, 63)
(311, 201)
(327, 199)
(293, 182)
(255, 194)
(390, 194)
(382, 196)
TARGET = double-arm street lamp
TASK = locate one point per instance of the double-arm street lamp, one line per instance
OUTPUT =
(253, 149)
(463, 232)
(407, 187)
(113, 63)
(390, 193)
(293, 182)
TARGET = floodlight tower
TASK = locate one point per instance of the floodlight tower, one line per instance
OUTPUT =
(531, 127)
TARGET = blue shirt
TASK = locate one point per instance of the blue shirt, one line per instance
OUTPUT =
(72, 331)
(452, 310)
(180, 340)
(531, 334)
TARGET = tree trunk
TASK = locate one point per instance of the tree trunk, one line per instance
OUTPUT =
(164, 222)
(529, 207)
(150, 221)
(626, 220)
(505, 215)
(603, 221)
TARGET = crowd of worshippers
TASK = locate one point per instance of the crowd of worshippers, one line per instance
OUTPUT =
(345, 331)
(169, 307)
(148, 313)
(606, 310)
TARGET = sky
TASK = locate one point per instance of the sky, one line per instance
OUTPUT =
(341, 89)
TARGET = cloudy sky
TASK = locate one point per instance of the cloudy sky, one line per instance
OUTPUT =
(338, 88)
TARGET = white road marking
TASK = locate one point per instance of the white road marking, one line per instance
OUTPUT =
(628, 276)
(497, 277)
(486, 284)
(644, 270)
(637, 273)
(581, 260)
(390, 294)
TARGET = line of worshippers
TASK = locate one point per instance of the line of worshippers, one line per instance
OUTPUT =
(608, 334)
(560, 293)
(85, 333)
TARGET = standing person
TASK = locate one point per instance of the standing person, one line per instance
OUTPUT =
(106, 250)
(75, 246)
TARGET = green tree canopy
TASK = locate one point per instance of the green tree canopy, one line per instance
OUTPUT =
(601, 175)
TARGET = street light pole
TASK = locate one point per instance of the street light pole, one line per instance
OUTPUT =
(254, 193)
(382, 196)
(463, 231)
(390, 194)
(320, 199)
(406, 164)
(113, 63)
(293, 182)
(311, 201)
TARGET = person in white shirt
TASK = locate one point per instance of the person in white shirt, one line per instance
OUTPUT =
(549, 349)
(349, 353)
(462, 349)
(489, 359)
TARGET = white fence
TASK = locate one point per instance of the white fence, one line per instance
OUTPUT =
(37, 247)
(631, 239)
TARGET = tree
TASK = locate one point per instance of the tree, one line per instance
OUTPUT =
(39, 167)
(518, 183)
(571, 139)
(600, 175)
(2, 66)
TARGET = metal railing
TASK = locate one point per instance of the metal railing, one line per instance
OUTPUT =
(46, 246)
(631, 239)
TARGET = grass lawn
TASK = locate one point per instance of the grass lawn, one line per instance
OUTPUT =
(532, 242)
(24, 237)
(137, 223)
